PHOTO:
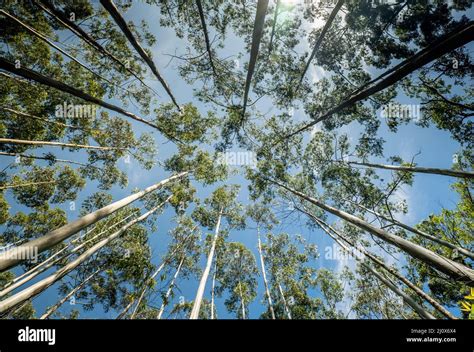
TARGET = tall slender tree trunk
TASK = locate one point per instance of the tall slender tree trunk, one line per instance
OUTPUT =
(43, 284)
(259, 24)
(445, 265)
(50, 82)
(456, 39)
(461, 250)
(202, 284)
(42, 267)
(24, 114)
(242, 301)
(54, 144)
(423, 170)
(13, 256)
(50, 43)
(213, 293)
(275, 19)
(54, 308)
(122, 24)
(170, 289)
(264, 275)
(320, 39)
(28, 184)
(422, 312)
(206, 36)
(155, 274)
(84, 36)
(329, 230)
(26, 156)
(285, 304)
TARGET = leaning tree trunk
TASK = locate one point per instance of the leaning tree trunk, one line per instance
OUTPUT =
(10, 258)
(50, 43)
(422, 312)
(50, 82)
(42, 267)
(43, 284)
(54, 144)
(262, 6)
(264, 275)
(206, 36)
(456, 39)
(445, 265)
(423, 170)
(202, 284)
(170, 289)
(54, 308)
(320, 39)
(27, 156)
(78, 31)
(422, 294)
(459, 249)
(285, 305)
(120, 21)
(28, 184)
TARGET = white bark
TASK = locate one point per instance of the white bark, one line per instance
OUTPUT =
(8, 259)
(264, 274)
(43, 284)
(205, 274)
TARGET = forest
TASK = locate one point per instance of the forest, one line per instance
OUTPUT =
(236, 159)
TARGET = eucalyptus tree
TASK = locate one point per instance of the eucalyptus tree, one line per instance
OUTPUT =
(454, 226)
(236, 274)
(291, 277)
(263, 217)
(184, 261)
(219, 207)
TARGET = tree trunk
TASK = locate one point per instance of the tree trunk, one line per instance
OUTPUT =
(242, 301)
(423, 170)
(28, 184)
(423, 313)
(257, 34)
(213, 315)
(9, 259)
(264, 275)
(155, 274)
(170, 288)
(24, 114)
(42, 267)
(275, 19)
(423, 295)
(78, 31)
(320, 39)
(50, 43)
(282, 294)
(54, 144)
(202, 284)
(50, 82)
(43, 158)
(445, 265)
(456, 39)
(206, 35)
(418, 232)
(122, 24)
(43, 284)
(54, 308)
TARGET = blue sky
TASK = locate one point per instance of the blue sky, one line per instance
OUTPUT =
(428, 195)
